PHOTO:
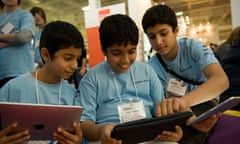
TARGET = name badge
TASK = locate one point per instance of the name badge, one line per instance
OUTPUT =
(131, 111)
(176, 87)
(7, 28)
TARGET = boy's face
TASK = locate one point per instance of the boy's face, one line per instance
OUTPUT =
(10, 2)
(121, 57)
(39, 20)
(64, 62)
(163, 39)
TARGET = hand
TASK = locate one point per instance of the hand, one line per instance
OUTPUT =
(206, 125)
(171, 136)
(65, 137)
(3, 44)
(170, 106)
(82, 71)
(16, 138)
(106, 135)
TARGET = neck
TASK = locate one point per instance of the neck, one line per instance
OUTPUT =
(10, 8)
(46, 76)
(172, 54)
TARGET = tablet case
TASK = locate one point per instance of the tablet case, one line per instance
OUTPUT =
(41, 119)
(147, 129)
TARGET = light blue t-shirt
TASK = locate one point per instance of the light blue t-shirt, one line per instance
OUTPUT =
(17, 59)
(37, 56)
(99, 93)
(22, 89)
(193, 56)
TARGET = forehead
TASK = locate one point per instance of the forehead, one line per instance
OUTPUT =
(122, 46)
(159, 28)
(69, 51)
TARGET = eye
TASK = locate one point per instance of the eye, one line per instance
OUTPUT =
(163, 33)
(67, 58)
(132, 51)
(151, 36)
(116, 53)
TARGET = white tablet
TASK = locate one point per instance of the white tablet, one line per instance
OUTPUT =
(223, 106)
(42, 120)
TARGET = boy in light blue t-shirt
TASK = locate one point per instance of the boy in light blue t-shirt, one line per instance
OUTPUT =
(61, 45)
(119, 89)
(187, 69)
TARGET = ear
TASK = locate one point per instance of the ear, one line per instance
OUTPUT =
(104, 52)
(176, 30)
(45, 55)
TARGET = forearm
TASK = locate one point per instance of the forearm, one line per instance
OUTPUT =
(4, 44)
(17, 38)
(210, 89)
(7, 38)
(91, 130)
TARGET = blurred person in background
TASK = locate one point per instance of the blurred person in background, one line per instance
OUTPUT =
(16, 33)
(40, 21)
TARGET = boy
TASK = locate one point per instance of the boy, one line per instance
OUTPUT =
(40, 21)
(60, 46)
(111, 85)
(185, 64)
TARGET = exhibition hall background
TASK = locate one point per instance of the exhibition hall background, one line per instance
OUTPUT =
(208, 20)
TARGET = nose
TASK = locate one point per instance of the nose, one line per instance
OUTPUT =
(125, 59)
(74, 64)
(159, 40)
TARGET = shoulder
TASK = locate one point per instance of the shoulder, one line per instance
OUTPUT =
(21, 81)
(189, 42)
(142, 68)
(23, 13)
(67, 85)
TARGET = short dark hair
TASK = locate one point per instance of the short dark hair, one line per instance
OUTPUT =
(159, 14)
(1, 4)
(118, 29)
(40, 11)
(59, 35)
(19, 2)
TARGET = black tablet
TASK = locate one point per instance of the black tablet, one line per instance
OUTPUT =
(225, 105)
(147, 129)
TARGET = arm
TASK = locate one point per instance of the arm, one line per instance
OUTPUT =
(17, 38)
(217, 82)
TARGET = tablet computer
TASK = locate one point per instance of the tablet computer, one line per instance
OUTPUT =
(221, 107)
(147, 129)
(42, 120)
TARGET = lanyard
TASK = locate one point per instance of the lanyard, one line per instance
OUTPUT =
(37, 96)
(116, 85)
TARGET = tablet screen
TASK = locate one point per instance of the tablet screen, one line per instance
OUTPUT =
(225, 105)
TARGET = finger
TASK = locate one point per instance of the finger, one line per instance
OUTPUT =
(19, 137)
(164, 107)
(178, 130)
(8, 129)
(170, 106)
(159, 110)
(176, 105)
